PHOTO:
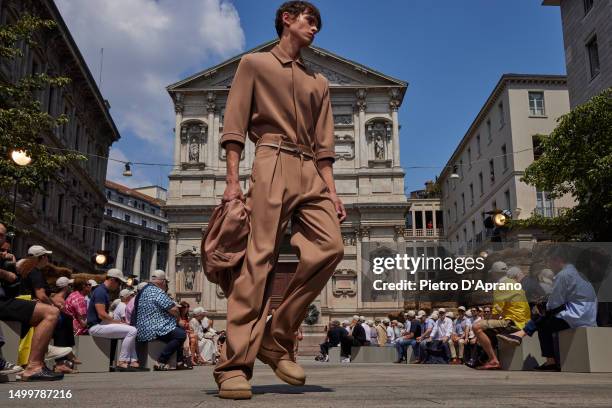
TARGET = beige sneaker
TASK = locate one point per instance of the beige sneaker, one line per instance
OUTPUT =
(235, 388)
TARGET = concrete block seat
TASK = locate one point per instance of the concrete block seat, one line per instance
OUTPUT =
(95, 353)
(586, 350)
(148, 353)
(525, 357)
(12, 333)
(374, 354)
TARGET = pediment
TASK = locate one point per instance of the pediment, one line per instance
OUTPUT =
(339, 71)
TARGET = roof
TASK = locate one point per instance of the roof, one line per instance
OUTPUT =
(78, 57)
(501, 85)
(270, 44)
(133, 193)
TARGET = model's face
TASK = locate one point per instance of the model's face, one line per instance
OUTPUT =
(303, 27)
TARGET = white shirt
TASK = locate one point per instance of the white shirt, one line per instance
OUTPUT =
(442, 328)
(366, 328)
(390, 334)
(578, 296)
(204, 323)
(119, 313)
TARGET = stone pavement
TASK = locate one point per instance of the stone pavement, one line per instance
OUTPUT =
(333, 385)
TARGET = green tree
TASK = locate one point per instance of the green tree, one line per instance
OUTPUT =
(577, 160)
(23, 124)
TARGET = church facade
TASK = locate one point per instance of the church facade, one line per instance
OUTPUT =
(367, 172)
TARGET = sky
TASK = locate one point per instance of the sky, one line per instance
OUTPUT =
(452, 53)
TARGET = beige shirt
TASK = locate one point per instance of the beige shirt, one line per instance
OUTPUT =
(271, 93)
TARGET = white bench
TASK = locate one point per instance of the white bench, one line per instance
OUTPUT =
(149, 352)
(374, 354)
(525, 357)
(334, 354)
(94, 352)
(586, 350)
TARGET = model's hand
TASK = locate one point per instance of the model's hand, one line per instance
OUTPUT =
(339, 206)
(232, 191)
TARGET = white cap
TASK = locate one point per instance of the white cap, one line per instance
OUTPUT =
(400, 325)
(421, 313)
(441, 310)
(125, 293)
(141, 286)
(116, 273)
(410, 313)
(158, 274)
(386, 320)
(93, 283)
(461, 308)
(38, 250)
(345, 322)
(450, 315)
(468, 313)
(198, 310)
(434, 315)
(362, 318)
(63, 281)
(498, 267)
(355, 317)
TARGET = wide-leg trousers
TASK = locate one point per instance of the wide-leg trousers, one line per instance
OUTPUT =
(283, 186)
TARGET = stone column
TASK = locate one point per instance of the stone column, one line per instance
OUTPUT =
(433, 217)
(137, 257)
(210, 147)
(103, 243)
(171, 270)
(413, 221)
(119, 259)
(395, 136)
(178, 109)
(359, 266)
(358, 141)
(363, 145)
(153, 265)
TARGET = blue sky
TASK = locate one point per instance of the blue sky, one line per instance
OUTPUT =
(451, 52)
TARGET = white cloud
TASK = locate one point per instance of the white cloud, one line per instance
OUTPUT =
(148, 45)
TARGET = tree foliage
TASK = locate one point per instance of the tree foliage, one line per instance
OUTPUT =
(23, 123)
(577, 160)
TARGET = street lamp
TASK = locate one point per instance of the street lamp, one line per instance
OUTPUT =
(20, 158)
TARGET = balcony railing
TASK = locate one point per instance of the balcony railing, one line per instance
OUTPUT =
(425, 232)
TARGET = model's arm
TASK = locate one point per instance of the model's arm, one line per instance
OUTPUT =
(326, 170)
(236, 124)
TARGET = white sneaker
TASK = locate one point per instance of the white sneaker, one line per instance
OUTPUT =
(346, 360)
(9, 368)
(326, 358)
(57, 352)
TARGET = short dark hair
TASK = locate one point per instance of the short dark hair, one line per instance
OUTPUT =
(295, 8)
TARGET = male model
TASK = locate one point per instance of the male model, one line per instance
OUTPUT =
(285, 108)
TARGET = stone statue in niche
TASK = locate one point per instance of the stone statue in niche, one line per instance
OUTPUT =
(189, 278)
(379, 148)
(194, 151)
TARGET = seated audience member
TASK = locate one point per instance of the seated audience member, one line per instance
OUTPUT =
(206, 345)
(511, 314)
(63, 335)
(102, 324)
(190, 346)
(335, 334)
(347, 326)
(381, 333)
(356, 338)
(425, 337)
(471, 343)
(408, 338)
(34, 286)
(129, 308)
(440, 335)
(572, 303)
(124, 297)
(459, 336)
(42, 317)
(93, 285)
(373, 333)
(76, 306)
(157, 317)
(366, 329)
(390, 332)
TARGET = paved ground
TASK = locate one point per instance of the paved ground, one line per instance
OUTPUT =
(334, 385)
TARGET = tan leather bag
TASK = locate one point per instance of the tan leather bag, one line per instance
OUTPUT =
(224, 243)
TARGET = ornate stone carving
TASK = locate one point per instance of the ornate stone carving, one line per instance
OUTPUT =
(194, 151)
(210, 102)
(333, 77)
(194, 132)
(379, 127)
(345, 147)
(364, 232)
(379, 148)
(344, 283)
(361, 99)
(394, 103)
(343, 120)
(349, 239)
(399, 231)
(179, 104)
